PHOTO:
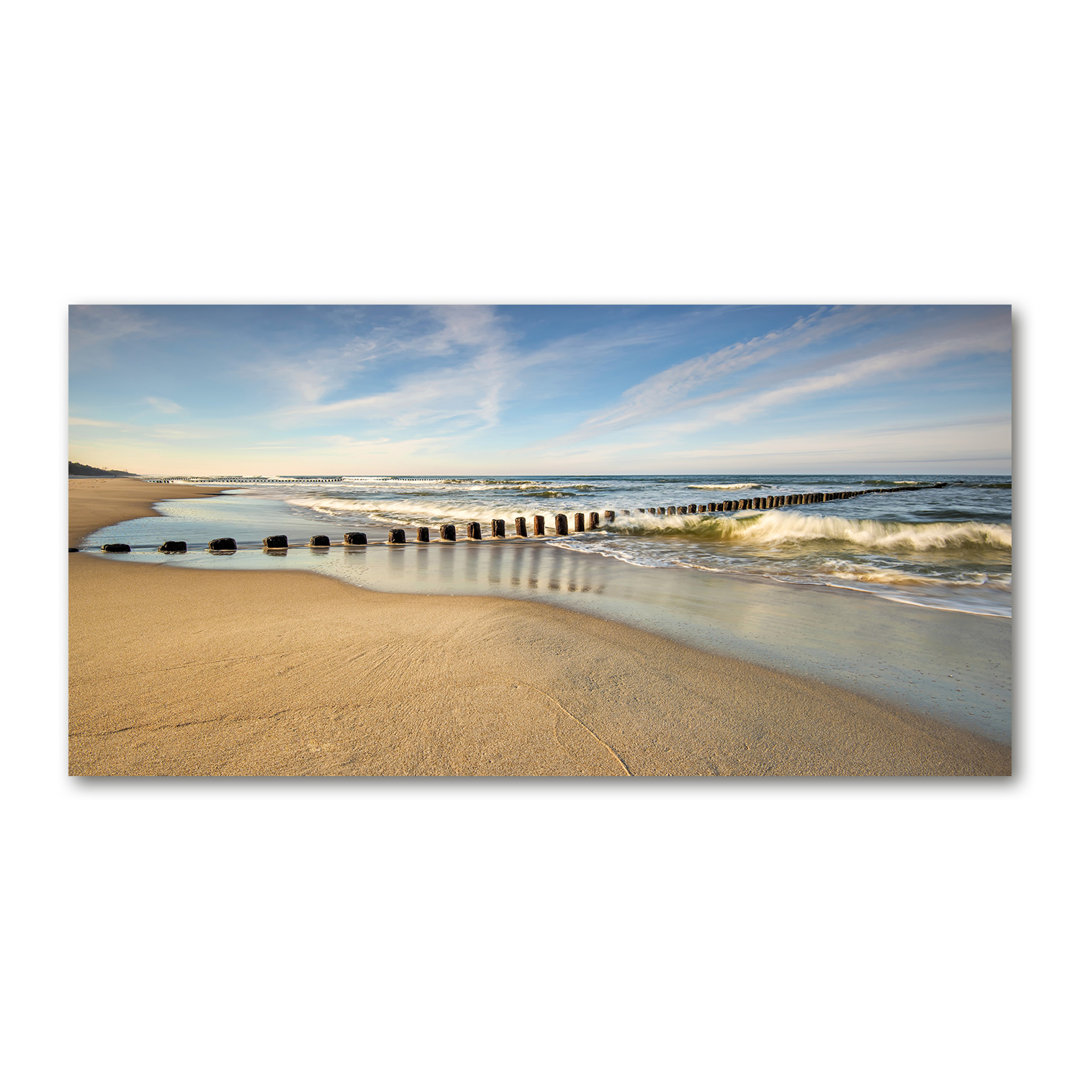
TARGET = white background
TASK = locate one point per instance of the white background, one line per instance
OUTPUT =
(584, 152)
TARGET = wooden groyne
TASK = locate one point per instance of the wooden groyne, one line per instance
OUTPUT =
(589, 521)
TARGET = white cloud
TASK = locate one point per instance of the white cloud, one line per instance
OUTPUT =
(679, 384)
(701, 392)
(83, 421)
(164, 405)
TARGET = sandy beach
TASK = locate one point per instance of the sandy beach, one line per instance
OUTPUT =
(97, 501)
(203, 672)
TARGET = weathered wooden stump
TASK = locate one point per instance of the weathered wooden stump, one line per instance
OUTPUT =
(519, 527)
(538, 525)
(672, 510)
(355, 539)
(423, 535)
(579, 523)
(396, 536)
(173, 547)
(609, 515)
(561, 526)
(277, 541)
(222, 543)
(594, 520)
(447, 532)
(498, 528)
(319, 541)
(116, 549)
(472, 530)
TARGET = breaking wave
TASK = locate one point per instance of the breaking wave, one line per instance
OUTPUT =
(772, 528)
(721, 487)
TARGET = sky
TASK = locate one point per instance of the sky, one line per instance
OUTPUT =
(579, 389)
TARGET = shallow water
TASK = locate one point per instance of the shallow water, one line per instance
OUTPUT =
(948, 547)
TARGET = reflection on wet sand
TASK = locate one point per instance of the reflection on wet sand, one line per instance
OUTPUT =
(946, 663)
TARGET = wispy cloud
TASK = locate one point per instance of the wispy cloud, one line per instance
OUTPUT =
(469, 391)
(85, 421)
(164, 405)
(679, 383)
(705, 393)
(489, 370)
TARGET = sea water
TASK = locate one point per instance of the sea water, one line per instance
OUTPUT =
(905, 595)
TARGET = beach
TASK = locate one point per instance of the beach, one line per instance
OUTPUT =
(206, 672)
(97, 501)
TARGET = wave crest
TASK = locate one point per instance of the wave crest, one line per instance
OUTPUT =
(721, 487)
(771, 528)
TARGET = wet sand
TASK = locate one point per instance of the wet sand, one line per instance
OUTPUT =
(196, 672)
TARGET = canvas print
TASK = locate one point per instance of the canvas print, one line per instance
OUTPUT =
(683, 541)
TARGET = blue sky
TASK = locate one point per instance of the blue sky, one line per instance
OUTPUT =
(540, 389)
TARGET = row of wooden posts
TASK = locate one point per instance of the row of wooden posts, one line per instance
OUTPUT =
(582, 522)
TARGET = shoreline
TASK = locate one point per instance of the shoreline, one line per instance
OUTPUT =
(95, 502)
(301, 674)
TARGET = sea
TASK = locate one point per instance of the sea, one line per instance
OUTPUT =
(719, 580)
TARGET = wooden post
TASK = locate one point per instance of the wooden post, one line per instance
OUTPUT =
(672, 510)
(538, 525)
(594, 520)
(173, 547)
(447, 532)
(473, 530)
(396, 536)
(498, 528)
(519, 526)
(355, 539)
(579, 523)
(561, 528)
(609, 515)
(319, 541)
(223, 543)
(423, 535)
(271, 542)
(120, 549)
